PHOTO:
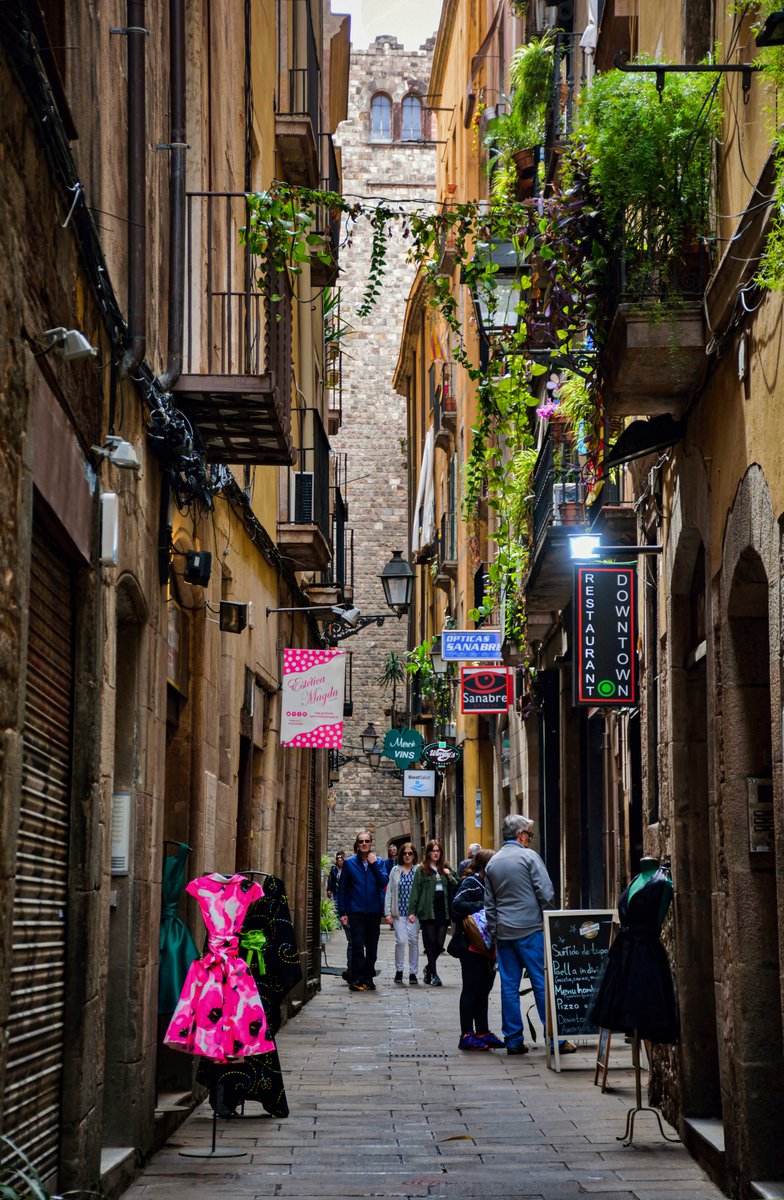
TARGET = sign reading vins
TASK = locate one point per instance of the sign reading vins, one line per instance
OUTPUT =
(576, 946)
(605, 635)
(403, 746)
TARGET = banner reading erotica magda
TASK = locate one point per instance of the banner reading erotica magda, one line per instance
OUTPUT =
(312, 698)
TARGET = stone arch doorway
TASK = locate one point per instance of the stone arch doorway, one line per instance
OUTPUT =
(752, 995)
(691, 833)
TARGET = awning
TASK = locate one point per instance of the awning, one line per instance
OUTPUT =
(645, 437)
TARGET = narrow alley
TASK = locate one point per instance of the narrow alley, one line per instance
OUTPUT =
(383, 1104)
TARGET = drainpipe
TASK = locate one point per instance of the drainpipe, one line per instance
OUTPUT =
(177, 150)
(137, 191)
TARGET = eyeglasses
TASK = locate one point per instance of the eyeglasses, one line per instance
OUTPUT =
(363, 841)
(408, 854)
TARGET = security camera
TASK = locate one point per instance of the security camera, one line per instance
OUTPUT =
(350, 616)
(70, 344)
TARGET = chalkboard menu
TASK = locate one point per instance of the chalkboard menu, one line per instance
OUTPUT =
(576, 945)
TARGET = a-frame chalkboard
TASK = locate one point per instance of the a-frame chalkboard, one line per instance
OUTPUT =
(576, 942)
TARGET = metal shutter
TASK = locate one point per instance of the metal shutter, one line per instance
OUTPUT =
(35, 1049)
(313, 896)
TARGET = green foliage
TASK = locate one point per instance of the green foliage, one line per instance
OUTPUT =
(531, 73)
(19, 1179)
(329, 921)
(393, 671)
(771, 269)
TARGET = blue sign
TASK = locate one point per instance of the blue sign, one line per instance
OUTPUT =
(471, 645)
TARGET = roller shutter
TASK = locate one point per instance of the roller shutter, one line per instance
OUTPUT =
(35, 1048)
(313, 897)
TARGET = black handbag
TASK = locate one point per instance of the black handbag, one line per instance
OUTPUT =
(458, 943)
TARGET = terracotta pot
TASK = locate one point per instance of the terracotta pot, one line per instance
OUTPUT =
(526, 164)
(571, 512)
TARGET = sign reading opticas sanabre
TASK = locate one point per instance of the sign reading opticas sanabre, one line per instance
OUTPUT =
(471, 645)
(605, 662)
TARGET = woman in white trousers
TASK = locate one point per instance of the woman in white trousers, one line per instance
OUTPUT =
(396, 908)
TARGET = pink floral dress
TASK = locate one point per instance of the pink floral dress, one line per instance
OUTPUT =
(219, 1013)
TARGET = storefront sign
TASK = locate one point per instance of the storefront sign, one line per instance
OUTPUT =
(471, 645)
(485, 689)
(441, 755)
(403, 746)
(419, 783)
(312, 698)
(605, 659)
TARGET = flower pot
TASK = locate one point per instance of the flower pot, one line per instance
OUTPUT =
(571, 512)
(526, 165)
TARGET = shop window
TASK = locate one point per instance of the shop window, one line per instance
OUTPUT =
(381, 118)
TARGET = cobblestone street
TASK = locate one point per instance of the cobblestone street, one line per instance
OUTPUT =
(383, 1104)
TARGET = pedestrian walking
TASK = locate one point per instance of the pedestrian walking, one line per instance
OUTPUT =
(517, 890)
(430, 903)
(477, 966)
(333, 883)
(396, 910)
(392, 857)
(466, 863)
(360, 899)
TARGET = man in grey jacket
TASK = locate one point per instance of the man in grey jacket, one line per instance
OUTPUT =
(517, 889)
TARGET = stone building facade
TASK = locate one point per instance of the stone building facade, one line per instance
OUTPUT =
(374, 418)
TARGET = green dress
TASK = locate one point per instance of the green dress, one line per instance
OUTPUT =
(177, 947)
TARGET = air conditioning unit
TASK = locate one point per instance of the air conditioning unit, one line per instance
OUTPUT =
(303, 498)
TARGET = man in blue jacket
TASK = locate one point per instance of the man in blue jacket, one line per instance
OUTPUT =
(360, 901)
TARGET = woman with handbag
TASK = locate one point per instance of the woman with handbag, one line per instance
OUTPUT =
(430, 904)
(477, 959)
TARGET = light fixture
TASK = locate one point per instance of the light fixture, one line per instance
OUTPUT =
(368, 738)
(119, 453)
(397, 580)
(496, 305)
(233, 616)
(374, 756)
(772, 32)
(350, 615)
(69, 343)
(585, 546)
(198, 566)
(440, 665)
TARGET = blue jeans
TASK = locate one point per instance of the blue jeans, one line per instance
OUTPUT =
(513, 955)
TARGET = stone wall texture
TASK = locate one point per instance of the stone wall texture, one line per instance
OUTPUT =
(373, 432)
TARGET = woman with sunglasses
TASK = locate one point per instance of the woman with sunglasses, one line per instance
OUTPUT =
(396, 910)
(431, 903)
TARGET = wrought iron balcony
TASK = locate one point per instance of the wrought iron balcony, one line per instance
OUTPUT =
(444, 404)
(559, 512)
(447, 551)
(324, 274)
(298, 117)
(305, 525)
(236, 381)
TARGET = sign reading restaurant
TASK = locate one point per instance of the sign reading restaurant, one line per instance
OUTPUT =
(605, 663)
(471, 645)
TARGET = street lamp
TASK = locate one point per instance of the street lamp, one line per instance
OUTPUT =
(374, 756)
(368, 738)
(496, 304)
(440, 665)
(397, 580)
(585, 546)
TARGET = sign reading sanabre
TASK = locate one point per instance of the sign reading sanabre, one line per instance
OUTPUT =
(605, 664)
(471, 645)
(419, 783)
(441, 755)
(403, 746)
(485, 689)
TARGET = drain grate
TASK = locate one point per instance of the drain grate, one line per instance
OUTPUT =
(414, 1054)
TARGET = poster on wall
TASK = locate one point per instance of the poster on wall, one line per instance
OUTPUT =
(312, 698)
(605, 635)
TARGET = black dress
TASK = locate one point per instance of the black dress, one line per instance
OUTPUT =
(636, 990)
(259, 1077)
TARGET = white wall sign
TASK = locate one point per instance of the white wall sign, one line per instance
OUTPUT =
(419, 783)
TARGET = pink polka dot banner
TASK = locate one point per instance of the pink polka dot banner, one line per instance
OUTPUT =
(314, 683)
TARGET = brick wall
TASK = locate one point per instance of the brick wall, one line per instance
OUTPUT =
(374, 420)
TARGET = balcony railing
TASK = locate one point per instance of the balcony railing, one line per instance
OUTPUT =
(305, 499)
(444, 404)
(559, 493)
(327, 225)
(236, 381)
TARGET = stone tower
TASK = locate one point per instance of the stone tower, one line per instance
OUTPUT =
(386, 152)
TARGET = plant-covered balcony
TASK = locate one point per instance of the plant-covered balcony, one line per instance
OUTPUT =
(237, 369)
(558, 513)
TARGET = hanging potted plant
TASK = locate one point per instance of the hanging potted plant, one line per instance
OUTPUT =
(531, 73)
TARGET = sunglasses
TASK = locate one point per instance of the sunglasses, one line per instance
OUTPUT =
(363, 841)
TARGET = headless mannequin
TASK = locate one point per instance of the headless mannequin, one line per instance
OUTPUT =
(648, 868)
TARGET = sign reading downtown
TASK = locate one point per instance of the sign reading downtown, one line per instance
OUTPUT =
(605, 663)
(471, 645)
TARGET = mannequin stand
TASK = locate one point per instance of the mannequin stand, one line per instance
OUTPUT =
(213, 1151)
(628, 1134)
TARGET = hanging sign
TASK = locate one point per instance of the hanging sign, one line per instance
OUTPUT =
(471, 645)
(485, 689)
(312, 698)
(403, 746)
(441, 755)
(605, 659)
(419, 783)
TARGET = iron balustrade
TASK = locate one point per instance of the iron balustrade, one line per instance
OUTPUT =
(299, 87)
(557, 480)
(306, 486)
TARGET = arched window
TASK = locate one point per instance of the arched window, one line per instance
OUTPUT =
(412, 119)
(380, 118)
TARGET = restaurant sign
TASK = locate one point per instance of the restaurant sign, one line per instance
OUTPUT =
(485, 689)
(605, 662)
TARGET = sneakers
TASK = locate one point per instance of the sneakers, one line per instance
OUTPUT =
(491, 1040)
(469, 1041)
(398, 976)
(370, 986)
(357, 987)
(520, 1048)
(412, 978)
(435, 981)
